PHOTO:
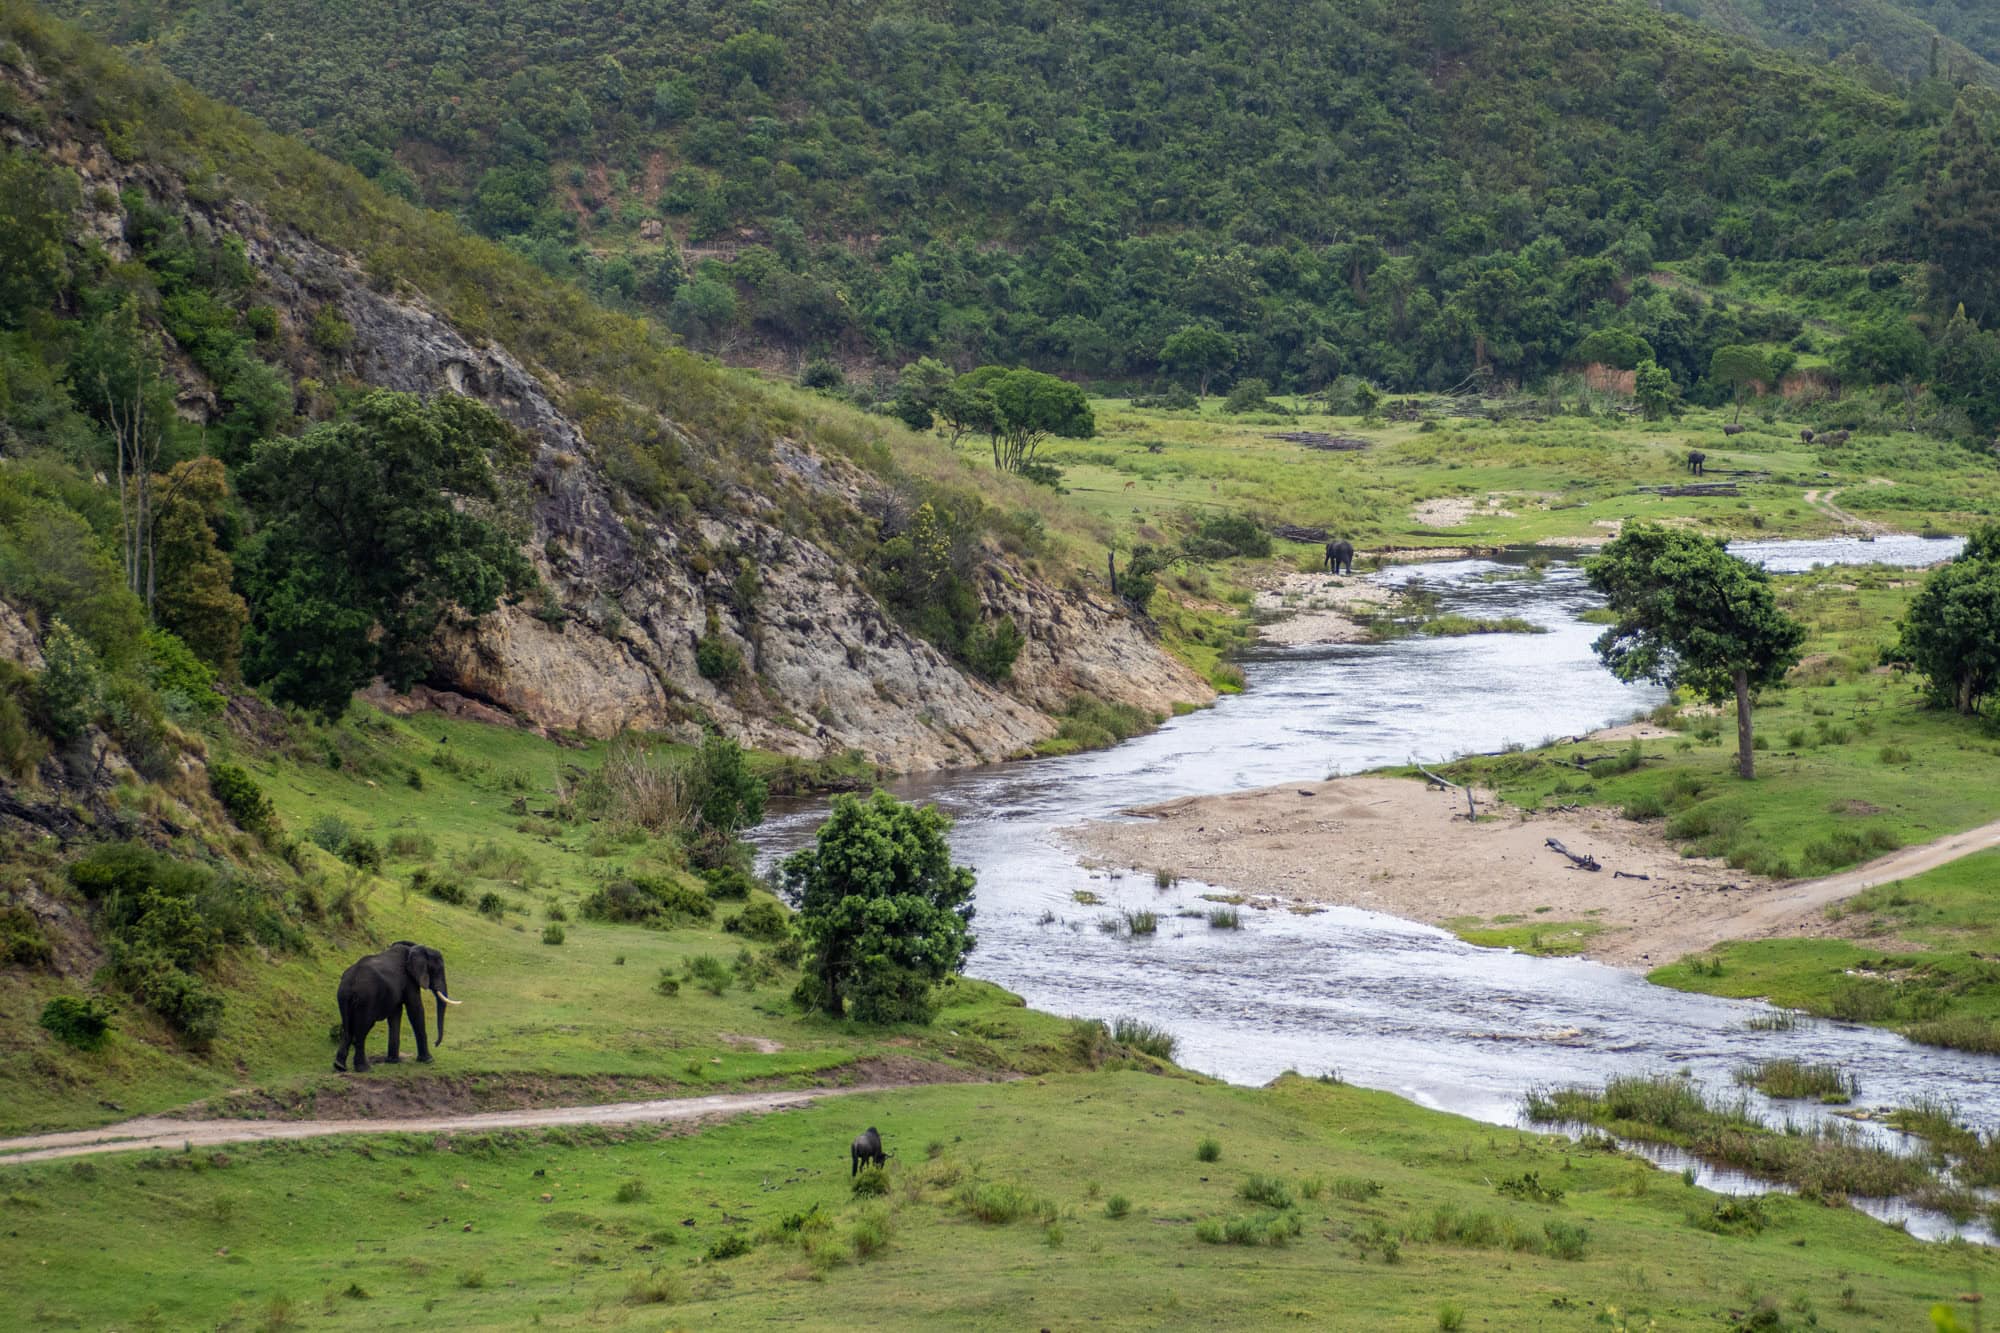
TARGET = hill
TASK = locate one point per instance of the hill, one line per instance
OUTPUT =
(1413, 194)
(1879, 40)
(637, 538)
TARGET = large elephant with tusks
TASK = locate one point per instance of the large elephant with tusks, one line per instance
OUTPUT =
(383, 987)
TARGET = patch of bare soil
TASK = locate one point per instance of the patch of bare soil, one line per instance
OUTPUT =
(1631, 731)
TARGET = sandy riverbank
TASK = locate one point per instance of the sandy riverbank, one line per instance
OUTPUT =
(1303, 609)
(1397, 846)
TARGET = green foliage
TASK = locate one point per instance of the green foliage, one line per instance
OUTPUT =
(23, 942)
(1146, 1038)
(882, 911)
(1208, 1150)
(710, 973)
(363, 551)
(1224, 535)
(715, 657)
(1021, 409)
(725, 795)
(70, 690)
(1952, 630)
(185, 684)
(649, 900)
(762, 918)
(80, 1022)
(1691, 615)
(1958, 215)
(552, 934)
(1653, 386)
(240, 796)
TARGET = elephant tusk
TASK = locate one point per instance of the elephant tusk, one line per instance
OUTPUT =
(446, 998)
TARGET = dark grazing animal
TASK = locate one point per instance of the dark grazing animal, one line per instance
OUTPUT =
(1695, 459)
(867, 1148)
(1340, 556)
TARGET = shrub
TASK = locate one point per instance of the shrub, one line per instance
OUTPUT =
(1208, 1150)
(329, 833)
(997, 1203)
(82, 1023)
(764, 918)
(870, 1233)
(656, 1288)
(492, 905)
(240, 795)
(1224, 918)
(728, 883)
(709, 972)
(871, 1181)
(668, 985)
(183, 1000)
(991, 648)
(23, 942)
(631, 1191)
(362, 853)
(409, 846)
(716, 658)
(649, 900)
(1146, 1038)
(552, 934)
(443, 887)
(1117, 1206)
(555, 911)
(730, 1245)
(1267, 1190)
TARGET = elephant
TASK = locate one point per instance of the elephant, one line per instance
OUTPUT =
(1734, 429)
(1340, 556)
(1695, 459)
(381, 987)
(867, 1148)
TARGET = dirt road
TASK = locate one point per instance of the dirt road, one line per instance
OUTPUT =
(174, 1135)
(1823, 501)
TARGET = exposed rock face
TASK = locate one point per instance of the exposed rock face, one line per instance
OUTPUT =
(630, 592)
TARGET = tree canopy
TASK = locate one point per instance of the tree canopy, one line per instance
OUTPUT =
(1951, 632)
(1693, 616)
(883, 911)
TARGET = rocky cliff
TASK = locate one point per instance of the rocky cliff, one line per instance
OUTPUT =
(629, 588)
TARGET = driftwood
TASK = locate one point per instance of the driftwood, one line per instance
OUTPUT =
(1694, 488)
(1626, 874)
(1471, 811)
(1292, 532)
(1319, 439)
(1581, 862)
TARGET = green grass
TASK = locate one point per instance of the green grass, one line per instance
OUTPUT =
(1545, 939)
(958, 1240)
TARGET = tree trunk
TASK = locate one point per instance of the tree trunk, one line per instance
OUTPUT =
(1746, 764)
(1965, 704)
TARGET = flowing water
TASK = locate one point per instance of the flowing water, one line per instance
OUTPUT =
(1385, 1003)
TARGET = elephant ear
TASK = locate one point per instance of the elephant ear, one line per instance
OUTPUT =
(415, 967)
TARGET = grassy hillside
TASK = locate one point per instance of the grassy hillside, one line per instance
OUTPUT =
(1878, 40)
(1406, 193)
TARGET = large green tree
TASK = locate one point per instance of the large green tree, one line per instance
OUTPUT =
(1951, 632)
(1739, 366)
(1020, 409)
(1196, 354)
(1693, 616)
(884, 913)
(374, 530)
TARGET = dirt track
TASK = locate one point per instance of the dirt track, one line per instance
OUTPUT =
(166, 1133)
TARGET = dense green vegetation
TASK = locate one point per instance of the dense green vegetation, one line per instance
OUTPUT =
(1882, 42)
(1407, 194)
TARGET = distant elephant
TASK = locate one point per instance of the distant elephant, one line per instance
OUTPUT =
(1806, 435)
(382, 987)
(1340, 556)
(1734, 429)
(1695, 459)
(867, 1148)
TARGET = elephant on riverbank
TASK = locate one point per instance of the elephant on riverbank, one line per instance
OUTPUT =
(383, 987)
(867, 1150)
(1340, 556)
(1696, 459)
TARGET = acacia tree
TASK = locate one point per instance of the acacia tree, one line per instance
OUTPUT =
(1692, 615)
(1020, 409)
(1952, 630)
(883, 911)
(1739, 367)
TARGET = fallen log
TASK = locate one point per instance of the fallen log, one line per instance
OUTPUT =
(1720, 488)
(1581, 862)
(1471, 811)
(1319, 439)
(1626, 874)
(1292, 532)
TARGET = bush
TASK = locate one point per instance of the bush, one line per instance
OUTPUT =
(82, 1023)
(1208, 1150)
(23, 942)
(710, 973)
(729, 1245)
(716, 658)
(183, 1000)
(492, 905)
(410, 846)
(765, 918)
(872, 1180)
(329, 833)
(435, 884)
(361, 852)
(240, 795)
(1267, 1190)
(727, 883)
(668, 985)
(991, 648)
(1145, 1038)
(648, 900)
(552, 934)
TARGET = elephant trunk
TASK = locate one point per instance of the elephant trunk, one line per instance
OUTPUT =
(443, 999)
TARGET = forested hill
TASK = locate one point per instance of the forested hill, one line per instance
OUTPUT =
(1877, 39)
(1409, 192)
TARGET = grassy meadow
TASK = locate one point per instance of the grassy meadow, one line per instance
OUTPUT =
(1054, 1201)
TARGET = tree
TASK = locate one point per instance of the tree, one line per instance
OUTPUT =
(1020, 409)
(375, 531)
(726, 796)
(1966, 372)
(36, 204)
(196, 599)
(1653, 386)
(921, 391)
(1958, 216)
(1951, 632)
(883, 911)
(1197, 353)
(1739, 366)
(1691, 615)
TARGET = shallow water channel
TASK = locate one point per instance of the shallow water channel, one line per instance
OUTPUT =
(1386, 1003)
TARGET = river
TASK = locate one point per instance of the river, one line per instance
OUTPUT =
(1384, 1003)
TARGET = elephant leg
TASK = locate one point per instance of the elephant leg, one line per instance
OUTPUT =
(346, 1041)
(361, 1031)
(417, 1028)
(395, 1056)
